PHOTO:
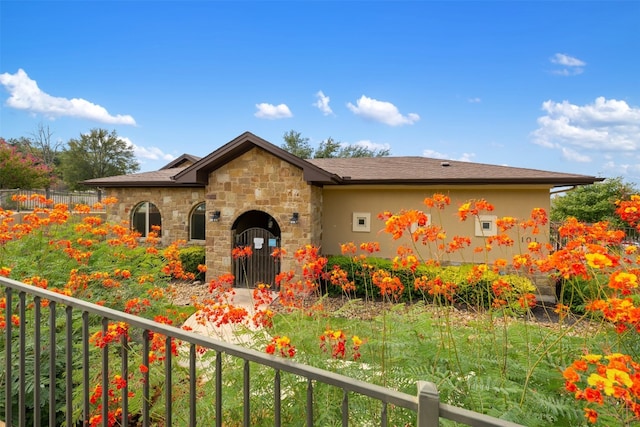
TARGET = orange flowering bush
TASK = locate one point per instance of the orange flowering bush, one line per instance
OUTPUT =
(282, 346)
(607, 384)
(335, 342)
(111, 265)
(90, 259)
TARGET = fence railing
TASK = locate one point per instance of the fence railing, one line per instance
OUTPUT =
(70, 198)
(50, 368)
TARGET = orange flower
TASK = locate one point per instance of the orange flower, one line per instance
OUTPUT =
(590, 415)
(348, 248)
(439, 201)
(527, 301)
(281, 344)
(598, 260)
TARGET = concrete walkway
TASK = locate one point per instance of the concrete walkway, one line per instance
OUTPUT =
(241, 334)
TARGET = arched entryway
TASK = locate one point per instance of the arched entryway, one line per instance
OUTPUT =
(261, 232)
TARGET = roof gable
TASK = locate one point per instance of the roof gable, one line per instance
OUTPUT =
(199, 171)
(181, 162)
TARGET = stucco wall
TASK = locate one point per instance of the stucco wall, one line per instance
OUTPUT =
(259, 181)
(341, 202)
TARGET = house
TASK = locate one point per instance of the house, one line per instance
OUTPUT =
(250, 192)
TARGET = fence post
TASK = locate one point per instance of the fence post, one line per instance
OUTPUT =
(428, 404)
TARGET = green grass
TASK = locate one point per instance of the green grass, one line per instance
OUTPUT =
(510, 370)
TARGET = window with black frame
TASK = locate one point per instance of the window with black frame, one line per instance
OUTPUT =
(197, 222)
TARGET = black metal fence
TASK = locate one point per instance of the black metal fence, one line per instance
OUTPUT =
(48, 368)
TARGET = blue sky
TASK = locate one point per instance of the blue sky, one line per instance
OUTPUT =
(545, 85)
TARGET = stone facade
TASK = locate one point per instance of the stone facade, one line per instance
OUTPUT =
(175, 205)
(260, 181)
(256, 180)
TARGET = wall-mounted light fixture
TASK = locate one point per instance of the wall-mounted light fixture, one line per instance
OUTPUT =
(294, 218)
(215, 216)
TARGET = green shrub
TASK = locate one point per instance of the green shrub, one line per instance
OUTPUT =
(191, 257)
(576, 293)
(476, 293)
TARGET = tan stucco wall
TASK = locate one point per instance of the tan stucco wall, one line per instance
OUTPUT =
(341, 202)
(259, 181)
(175, 205)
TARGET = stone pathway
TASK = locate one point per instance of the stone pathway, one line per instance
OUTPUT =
(232, 333)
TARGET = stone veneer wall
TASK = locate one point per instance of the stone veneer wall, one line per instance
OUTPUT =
(260, 181)
(175, 205)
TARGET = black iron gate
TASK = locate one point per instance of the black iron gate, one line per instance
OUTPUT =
(260, 267)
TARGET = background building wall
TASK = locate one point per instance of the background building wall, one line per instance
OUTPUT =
(340, 202)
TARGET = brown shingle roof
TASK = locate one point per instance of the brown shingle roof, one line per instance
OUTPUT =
(159, 178)
(183, 161)
(347, 171)
(423, 170)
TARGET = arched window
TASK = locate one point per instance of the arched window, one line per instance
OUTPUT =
(197, 222)
(145, 215)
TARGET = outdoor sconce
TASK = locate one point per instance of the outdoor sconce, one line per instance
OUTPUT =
(294, 218)
(215, 216)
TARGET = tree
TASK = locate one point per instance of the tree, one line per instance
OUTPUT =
(19, 170)
(332, 149)
(329, 148)
(97, 154)
(297, 145)
(593, 203)
(43, 147)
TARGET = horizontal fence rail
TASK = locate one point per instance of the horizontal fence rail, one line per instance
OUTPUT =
(69, 198)
(64, 388)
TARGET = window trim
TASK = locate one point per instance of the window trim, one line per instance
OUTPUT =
(204, 222)
(491, 221)
(147, 222)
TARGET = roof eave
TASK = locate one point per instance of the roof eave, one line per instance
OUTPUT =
(140, 184)
(554, 182)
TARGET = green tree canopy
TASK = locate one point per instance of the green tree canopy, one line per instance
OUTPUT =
(20, 170)
(592, 203)
(329, 148)
(297, 145)
(97, 154)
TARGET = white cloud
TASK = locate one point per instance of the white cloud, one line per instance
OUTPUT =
(603, 126)
(435, 154)
(381, 111)
(612, 168)
(272, 112)
(373, 146)
(323, 103)
(465, 157)
(569, 61)
(572, 66)
(574, 156)
(475, 100)
(148, 153)
(26, 95)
